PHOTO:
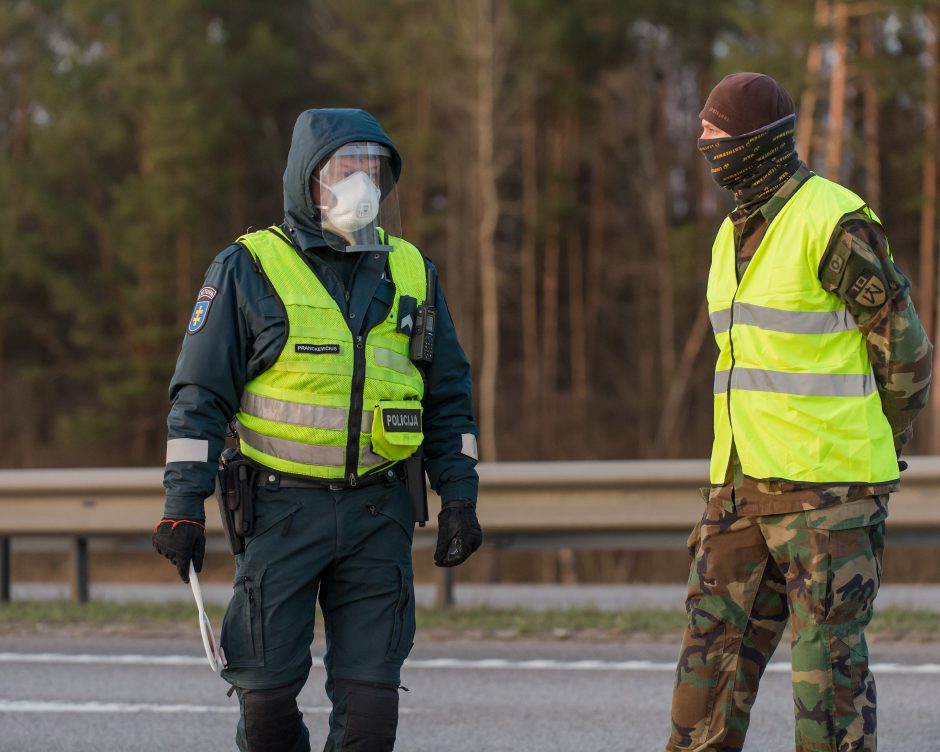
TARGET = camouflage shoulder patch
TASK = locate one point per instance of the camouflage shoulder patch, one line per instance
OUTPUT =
(864, 283)
(832, 268)
(201, 311)
(868, 290)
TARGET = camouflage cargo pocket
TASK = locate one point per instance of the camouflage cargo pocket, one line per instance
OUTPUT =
(861, 513)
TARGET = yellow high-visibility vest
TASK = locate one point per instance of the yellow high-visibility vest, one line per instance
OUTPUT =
(794, 388)
(313, 411)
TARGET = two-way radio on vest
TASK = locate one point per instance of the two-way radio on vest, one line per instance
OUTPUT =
(422, 351)
(422, 338)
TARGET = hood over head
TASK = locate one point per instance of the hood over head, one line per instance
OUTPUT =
(317, 134)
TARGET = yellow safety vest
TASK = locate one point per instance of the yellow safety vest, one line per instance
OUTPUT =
(315, 410)
(794, 389)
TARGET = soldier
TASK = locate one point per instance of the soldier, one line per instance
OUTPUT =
(326, 339)
(822, 367)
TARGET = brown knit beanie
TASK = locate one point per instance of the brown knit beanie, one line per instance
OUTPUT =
(745, 102)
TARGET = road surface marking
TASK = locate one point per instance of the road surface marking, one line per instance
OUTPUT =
(436, 663)
(60, 706)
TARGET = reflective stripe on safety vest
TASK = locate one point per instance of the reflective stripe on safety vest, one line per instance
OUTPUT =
(794, 391)
(311, 412)
(278, 411)
(293, 451)
(807, 384)
(795, 322)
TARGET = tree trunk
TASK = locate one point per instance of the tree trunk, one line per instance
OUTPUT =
(413, 196)
(577, 323)
(679, 385)
(837, 91)
(651, 135)
(929, 279)
(550, 290)
(489, 216)
(814, 59)
(461, 294)
(184, 272)
(597, 231)
(528, 272)
(871, 129)
(927, 291)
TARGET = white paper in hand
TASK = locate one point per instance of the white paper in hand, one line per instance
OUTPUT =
(213, 649)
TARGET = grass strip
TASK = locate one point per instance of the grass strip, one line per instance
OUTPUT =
(478, 622)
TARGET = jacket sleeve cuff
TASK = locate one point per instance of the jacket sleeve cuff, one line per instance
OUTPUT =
(184, 507)
(462, 490)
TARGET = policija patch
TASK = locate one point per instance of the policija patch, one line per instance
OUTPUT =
(401, 421)
(868, 290)
(201, 311)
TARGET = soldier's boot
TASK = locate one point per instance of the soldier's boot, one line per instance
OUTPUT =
(364, 717)
(271, 720)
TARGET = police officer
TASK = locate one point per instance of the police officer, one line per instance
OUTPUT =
(326, 342)
(822, 367)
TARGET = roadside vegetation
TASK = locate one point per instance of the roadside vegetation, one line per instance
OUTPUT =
(100, 618)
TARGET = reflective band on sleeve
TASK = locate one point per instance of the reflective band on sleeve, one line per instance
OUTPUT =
(794, 322)
(294, 413)
(391, 359)
(294, 451)
(804, 384)
(187, 450)
(721, 320)
(468, 446)
(778, 320)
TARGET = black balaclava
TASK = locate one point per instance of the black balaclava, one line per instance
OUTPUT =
(759, 155)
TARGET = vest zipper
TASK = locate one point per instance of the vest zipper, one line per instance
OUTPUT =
(355, 410)
(731, 449)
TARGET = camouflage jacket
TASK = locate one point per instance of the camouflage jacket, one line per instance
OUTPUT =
(859, 269)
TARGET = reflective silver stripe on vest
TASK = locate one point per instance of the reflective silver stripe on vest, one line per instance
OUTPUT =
(391, 359)
(804, 384)
(777, 320)
(294, 451)
(187, 450)
(367, 417)
(721, 320)
(294, 413)
(370, 458)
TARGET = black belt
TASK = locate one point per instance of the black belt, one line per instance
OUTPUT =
(265, 476)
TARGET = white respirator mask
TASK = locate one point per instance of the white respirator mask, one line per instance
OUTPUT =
(355, 205)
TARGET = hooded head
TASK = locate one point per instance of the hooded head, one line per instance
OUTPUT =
(317, 134)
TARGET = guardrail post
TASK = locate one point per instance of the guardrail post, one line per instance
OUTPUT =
(445, 588)
(4, 569)
(80, 583)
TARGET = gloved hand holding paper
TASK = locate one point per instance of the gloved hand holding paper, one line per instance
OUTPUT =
(213, 649)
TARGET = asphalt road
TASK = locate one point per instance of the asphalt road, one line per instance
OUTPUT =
(84, 695)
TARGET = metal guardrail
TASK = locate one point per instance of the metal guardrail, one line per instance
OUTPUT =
(601, 505)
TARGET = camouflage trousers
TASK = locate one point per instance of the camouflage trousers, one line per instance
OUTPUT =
(820, 570)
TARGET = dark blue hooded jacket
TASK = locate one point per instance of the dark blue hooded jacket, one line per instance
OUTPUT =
(239, 328)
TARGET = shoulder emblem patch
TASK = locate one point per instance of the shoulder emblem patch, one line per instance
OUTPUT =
(201, 311)
(868, 290)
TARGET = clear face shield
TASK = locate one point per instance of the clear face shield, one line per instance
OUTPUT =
(355, 191)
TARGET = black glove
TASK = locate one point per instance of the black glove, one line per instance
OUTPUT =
(902, 465)
(181, 541)
(458, 533)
